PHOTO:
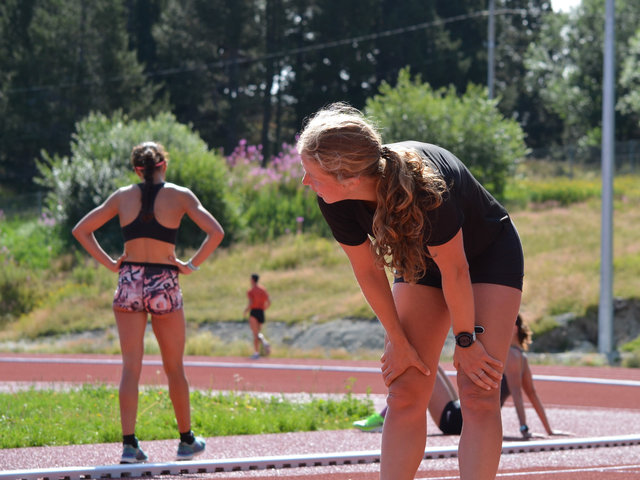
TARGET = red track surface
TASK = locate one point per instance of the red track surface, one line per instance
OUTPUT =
(584, 409)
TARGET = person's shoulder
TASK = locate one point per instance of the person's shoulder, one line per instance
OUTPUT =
(126, 190)
(435, 154)
(182, 195)
(174, 187)
(415, 145)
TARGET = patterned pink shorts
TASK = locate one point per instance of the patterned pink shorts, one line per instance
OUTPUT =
(148, 287)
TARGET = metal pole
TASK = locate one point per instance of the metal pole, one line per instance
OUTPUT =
(605, 309)
(491, 47)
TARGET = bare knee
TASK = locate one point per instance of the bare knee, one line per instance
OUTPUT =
(131, 368)
(174, 370)
(479, 403)
(409, 393)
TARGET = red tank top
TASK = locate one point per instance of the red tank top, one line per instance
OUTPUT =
(258, 297)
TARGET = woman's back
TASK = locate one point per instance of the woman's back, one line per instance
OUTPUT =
(169, 207)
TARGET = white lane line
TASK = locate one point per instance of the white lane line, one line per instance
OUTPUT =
(303, 460)
(633, 469)
(282, 366)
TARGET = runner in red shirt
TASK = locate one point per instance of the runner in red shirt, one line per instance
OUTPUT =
(258, 302)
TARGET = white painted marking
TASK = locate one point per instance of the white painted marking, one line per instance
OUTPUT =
(308, 460)
(282, 366)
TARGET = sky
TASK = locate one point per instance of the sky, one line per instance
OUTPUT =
(564, 5)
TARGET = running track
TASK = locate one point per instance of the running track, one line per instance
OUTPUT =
(596, 405)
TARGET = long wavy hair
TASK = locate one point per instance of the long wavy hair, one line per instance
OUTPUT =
(146, 158)
(346, 144)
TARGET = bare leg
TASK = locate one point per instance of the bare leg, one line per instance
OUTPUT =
(256, 326)
(481, 440)
(170, 332)
(131, 327)
(443, 393)
(425, 319)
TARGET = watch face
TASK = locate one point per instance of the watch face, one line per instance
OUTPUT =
(464, 339)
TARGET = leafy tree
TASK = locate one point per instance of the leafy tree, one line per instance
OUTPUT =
(458, 52)
(565, 65)
(470, 126)
(99, 164)
(67, 58)
(629, 102)
(444, 52)
(516, 29)
(141, 19)
(329, 69)
(15, 16)
(204, 52)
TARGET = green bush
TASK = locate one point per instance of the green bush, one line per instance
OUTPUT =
(272, 200)
(99, 164)
(32, 243)
(27, 248)
(470, 126)
(205, 173)
(19, 290)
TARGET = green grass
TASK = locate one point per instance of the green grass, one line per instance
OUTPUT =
(90, 414)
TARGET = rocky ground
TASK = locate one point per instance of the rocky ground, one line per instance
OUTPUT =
(573, 338)
(573, 334)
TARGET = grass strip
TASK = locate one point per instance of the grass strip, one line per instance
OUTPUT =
(90, 414)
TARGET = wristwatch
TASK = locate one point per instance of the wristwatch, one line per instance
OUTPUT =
(465, 339)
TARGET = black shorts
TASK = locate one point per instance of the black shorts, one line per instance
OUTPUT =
(504, 390)
(258, 314)
(451, 418)
(502, 263)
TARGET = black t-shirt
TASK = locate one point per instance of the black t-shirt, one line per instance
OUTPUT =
(467, 205)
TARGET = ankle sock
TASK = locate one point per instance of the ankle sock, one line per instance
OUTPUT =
(130, 440)
(187, 437)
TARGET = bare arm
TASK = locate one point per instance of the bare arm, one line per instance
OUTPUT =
(399, 354)
(248, 307)
(514, 374)
(207, 223)
(529, 388)
(92, 221)
(482, 369)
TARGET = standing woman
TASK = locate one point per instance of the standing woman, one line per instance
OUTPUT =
(150, 214)
(458, 263)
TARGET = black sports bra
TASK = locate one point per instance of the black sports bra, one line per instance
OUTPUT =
(149, 229)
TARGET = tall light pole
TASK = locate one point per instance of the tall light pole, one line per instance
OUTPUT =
(491, 44)
(605, 308)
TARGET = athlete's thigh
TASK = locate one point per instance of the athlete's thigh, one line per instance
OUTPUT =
(255, 325)
(170, 331)
(131, 328)
(496, 309)
(425, 319)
